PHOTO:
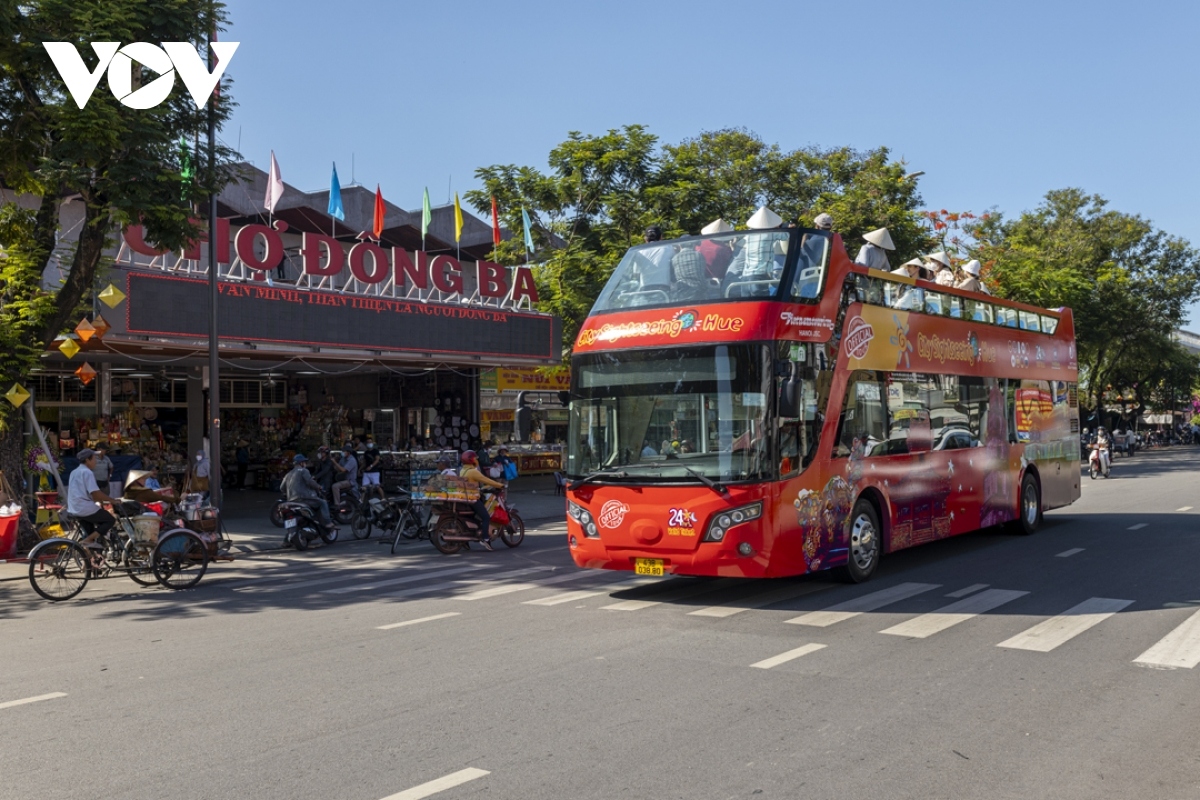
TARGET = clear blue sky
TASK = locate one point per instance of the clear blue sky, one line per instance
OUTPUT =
(996, 102)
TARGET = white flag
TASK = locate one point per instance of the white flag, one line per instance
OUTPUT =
(274, 185)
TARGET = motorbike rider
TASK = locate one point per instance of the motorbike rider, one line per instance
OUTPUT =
(1104, 447)
(347, 469)
(470, 471)
(322, 471)
(300, 487)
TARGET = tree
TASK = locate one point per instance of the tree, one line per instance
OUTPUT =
(603, 191)
(123, 165)
(1127, 283)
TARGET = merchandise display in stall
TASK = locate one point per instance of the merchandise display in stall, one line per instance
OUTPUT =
(533, 459)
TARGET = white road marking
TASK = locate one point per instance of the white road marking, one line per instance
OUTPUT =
(1138, 527)
(861, 605)
(769, 597)
(458, 586)
(40, 697)
(495, 591)
(1179, 648)
(669, 596)
(408, 577)
(1184, 508)
(582, 594)
(972, 589)
(418, 621)
(927, 625)
(439, 785)
(1069, 553)
(790, 655)
(1047, 635)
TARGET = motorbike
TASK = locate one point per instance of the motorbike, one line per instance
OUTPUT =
(1096, 464)
(452, 526)
(302, 526)
(378, 510)
(342, 512)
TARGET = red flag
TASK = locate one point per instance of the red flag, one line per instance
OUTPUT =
(379, 210)
(495, 222)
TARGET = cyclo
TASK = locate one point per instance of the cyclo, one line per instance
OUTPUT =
(60, 567)
(452, 524)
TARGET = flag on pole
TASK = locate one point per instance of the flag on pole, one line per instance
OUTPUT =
(335, 209)
(495, 222)
(458, 221)
(426, 216)
(377, 228)
(274, 186)
(528, 230)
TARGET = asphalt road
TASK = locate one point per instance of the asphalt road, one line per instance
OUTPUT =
(990, 666)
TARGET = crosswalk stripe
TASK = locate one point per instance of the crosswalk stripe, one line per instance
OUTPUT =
(945, 617)
(1179, 648)
(669, 596)
(972, 589)
(349, 576)
(407, 577)
(1049, 634)
(761, 600)
(861, 605)
(462, 585)
(1138, 527)
(790, 655)
(1069, 553)
(495, 591)
(566, 597)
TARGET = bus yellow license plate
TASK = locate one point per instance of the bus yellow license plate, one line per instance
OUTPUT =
(648, 566)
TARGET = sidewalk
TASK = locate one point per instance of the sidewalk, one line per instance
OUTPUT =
(246, 518)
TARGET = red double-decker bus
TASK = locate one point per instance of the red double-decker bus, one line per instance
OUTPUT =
(754, 404)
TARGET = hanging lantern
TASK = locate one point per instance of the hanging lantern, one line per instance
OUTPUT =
(85, 373)
(111, 296)
(68, 348)
(17, 395)
(85, 329)
(101, 325)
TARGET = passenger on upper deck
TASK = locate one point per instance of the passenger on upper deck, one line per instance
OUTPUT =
(656, 269)
(911, 268)
(756, 262)
(943, 270)
(823, 222)
(971, 282)
(872, 253)
(716, 252)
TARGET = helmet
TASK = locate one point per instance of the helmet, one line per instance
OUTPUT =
(299, 458)
(1101, 429)
(469, 457)
(323, 448)
(370, 445)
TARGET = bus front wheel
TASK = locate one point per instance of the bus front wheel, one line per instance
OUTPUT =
(865, 543)
(1030, 507)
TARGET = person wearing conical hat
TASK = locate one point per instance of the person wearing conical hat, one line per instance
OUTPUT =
(939, 264)
(718, 225)
(136, 489)
(755, 262)
(764, 219)
(871, 254)
(716, 252)
(911, 268)
(971, 282)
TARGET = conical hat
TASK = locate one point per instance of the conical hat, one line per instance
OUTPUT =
(764, 219)
(135, 474)
(912, 262)
(718, 225)
(880, 238)
(940, 257)
(901, 270)
(972, 267)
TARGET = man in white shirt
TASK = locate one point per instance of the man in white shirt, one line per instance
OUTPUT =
(84, 498)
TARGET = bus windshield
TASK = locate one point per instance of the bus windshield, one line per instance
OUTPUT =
(729, 266)
(673, 413)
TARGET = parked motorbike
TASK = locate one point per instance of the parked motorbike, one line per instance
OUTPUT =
(302, 526)
(378, 510)
(1097, 465)
(452, 526)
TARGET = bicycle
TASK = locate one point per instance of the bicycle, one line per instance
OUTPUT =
(413, 523)
(60, 568)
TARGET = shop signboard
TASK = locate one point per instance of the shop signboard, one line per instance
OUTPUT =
(525, 379)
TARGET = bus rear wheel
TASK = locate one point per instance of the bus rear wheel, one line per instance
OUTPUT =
(1029, 507)
(864, 543)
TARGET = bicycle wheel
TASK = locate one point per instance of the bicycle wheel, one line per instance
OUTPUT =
(513, 533)
(180, 559)
(136, 559)
(58, 569)
(447, 526)
(360, 526)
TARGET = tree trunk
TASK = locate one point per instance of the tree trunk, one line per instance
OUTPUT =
(12, 458)
(93, 235)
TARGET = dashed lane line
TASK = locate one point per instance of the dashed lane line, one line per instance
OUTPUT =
(439, 785)
(927, 625)
(419, 621)
(1047, 635)
(27, 700)
(1069, 553)
(861, 605)
(1138, 527)
(790, 655)
(1184, 508)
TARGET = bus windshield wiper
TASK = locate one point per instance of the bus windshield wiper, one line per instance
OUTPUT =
(709, 482)
(603, 473)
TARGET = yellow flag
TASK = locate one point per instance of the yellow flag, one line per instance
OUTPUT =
(457, 219)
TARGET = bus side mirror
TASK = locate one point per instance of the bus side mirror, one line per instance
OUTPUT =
(789, 399)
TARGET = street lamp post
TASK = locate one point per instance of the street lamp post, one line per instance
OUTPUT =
(214, 364)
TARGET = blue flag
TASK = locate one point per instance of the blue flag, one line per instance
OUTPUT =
(528, 230)
(335, 197)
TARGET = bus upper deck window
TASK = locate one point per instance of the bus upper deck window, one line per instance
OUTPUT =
(1049, 324)
(954, 306)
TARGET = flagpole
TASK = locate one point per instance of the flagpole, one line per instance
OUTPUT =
(214, 361)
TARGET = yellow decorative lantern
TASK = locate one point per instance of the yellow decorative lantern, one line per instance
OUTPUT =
(68, 348)
(111, 296)
(17, 395)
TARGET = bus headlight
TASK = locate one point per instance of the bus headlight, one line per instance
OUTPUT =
(719, 525)
(584, 518)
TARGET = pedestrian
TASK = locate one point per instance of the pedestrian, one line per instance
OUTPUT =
(200, 473)
(103, 470)
(243, 463)
(371, 466)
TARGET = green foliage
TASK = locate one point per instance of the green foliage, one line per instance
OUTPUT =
(603, 191)
(1127, 283)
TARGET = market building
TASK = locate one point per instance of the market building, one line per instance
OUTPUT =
(326, 335)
